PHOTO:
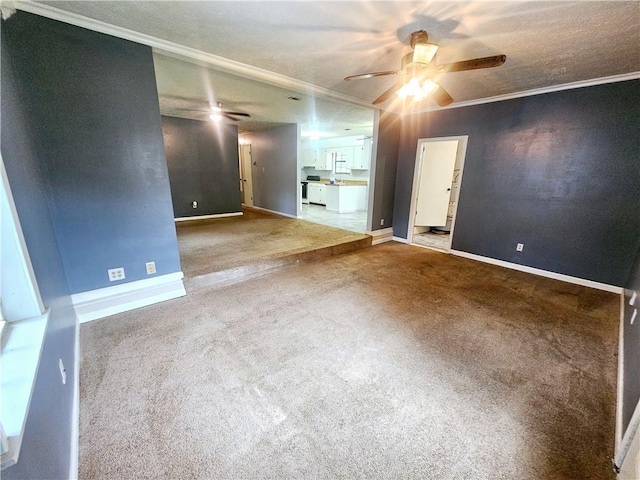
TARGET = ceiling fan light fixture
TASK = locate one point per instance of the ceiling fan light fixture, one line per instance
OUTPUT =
(417, 91)
(424, 52)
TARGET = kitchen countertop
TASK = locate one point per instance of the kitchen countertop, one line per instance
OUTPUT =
(325, 181)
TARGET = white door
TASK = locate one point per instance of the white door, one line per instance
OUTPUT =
(245, 174)
(434, 188)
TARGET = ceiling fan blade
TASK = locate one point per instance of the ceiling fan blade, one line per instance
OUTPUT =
(474, 64)
(372, 74)
(442, 97)
(192, 110)
(388, 93)
(237, 114)
(231, 116)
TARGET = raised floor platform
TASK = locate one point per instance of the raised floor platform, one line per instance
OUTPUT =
(230, 249)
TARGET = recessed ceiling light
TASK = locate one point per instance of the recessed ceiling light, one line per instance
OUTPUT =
(294, 98)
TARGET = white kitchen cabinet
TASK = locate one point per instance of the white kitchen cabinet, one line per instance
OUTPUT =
(309, 157)
(346, 198)
(317, 193)
(362, 156)
(342, 155)
(325, 159)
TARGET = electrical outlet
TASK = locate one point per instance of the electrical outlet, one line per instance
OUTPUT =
(381, 221)
(116, 274)
(194, 204)
(151, 268)
(520, 247)
(63, 371)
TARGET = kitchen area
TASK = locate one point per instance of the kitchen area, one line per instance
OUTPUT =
(335, 181)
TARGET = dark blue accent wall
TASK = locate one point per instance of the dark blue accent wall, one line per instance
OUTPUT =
(558, 172)
(203, 166)
(92, 104)
(47, 441)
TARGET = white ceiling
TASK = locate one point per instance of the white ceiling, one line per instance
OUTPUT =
(317, 42)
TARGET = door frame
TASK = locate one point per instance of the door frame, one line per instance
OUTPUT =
(462, 147)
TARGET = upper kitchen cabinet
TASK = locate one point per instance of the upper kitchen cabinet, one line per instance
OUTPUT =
(362, 156)
(338, 155)
(310, 157)
(338, 159)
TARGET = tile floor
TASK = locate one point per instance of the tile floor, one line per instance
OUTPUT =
(432, 240)
(355, 222)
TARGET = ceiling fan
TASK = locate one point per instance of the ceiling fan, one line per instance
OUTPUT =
(217, 112)
(420, 72)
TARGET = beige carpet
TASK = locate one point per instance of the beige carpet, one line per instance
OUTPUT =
(257, 241)
(390, 362)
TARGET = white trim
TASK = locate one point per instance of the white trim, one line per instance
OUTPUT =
(23, 300)
(205, 217)
(22, 345)
(175, 50)
(373, 167)
(381, 236)
(271, 211)
(399, 239)
(103, 302)
(628, 438)
(538, 271)
(623, 77)
(75, 413)
(620, 386)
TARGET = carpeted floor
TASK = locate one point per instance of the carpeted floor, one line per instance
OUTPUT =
(390, 362)
(256, 240)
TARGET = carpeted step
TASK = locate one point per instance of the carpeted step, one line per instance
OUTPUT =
(258, 268)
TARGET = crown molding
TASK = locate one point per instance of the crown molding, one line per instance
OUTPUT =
(536, 91)
(181, 52)
(226, 65)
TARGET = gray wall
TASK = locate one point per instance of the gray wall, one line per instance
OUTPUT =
(557, 172)
(389, 127)
(631, 354)
(202, 158)
(274, 153)
(92, 104)
(47, 442)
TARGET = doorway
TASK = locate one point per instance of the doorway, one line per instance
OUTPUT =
(246, 180)
(436, 190)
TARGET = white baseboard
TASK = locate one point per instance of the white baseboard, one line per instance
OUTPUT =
(103, 302)
(75, 413)
(271, 211)
(540, 272)
(381, 236)
(400, 239)
(205, 217)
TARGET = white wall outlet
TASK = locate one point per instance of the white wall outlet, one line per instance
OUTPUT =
(381, 221)
(194, 204)
(520, 247)
(63, 371)
(151, 268)
(116, 274)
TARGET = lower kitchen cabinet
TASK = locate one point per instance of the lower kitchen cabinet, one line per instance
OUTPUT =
(317, 193)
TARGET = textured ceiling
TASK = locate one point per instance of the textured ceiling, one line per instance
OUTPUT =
(183, 86)
(546, 43)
